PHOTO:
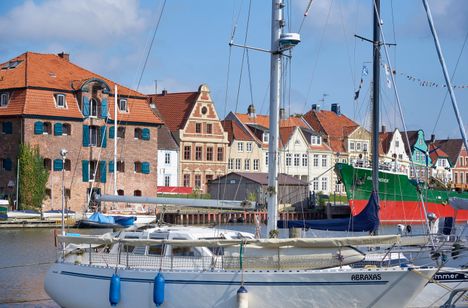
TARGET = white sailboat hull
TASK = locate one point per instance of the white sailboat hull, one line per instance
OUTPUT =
(88, 286)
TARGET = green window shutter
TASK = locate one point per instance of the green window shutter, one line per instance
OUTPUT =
(85, 170)
(111, 166)
(7, 165)
(86, 135)
(38, 128)
(111, 132)
(102, 170)
(104, 108)
(58, 129)
(85, 106)
(58, 165)
(145, 134)
(103, 137)
(7, 128)
(145, 167)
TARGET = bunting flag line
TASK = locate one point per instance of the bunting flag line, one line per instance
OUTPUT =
(364, 72)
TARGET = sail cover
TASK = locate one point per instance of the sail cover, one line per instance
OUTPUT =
(366, 220)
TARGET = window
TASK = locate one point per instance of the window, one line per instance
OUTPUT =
(297, 159)
(208, 177)
(93, 135)
(240, 146)
(455, 177)
(138, 167)
(120, 166)
(220, 154)
(400, 156)
(249, 147)
(167, 180)
(315, 184)
(198, 153)
(3, 99)
(67, 193)
(198, 128)
(316, 160)
(209, 128)
(238, 163)
(137, 193)
(266, 159)
(324, 160)
(230, 163)
(256, 163)
(47, 128)
(47, 164)
(305, 160)
(121, 132)
(364, 146)
(93, 170)
(204, 110)
(138, 134)
(123, 105)
(187, 152)
(288, 159)
(324, 184)
(67, 165)
(358, 146)
(197, 180)
(7, 128)
(266, 137)
(351, 146)
(209, 153)
(247, 164)
(315, 140)
(167, 159)
(60, 100)
(186, 180)
(120, 192)
(66, 129)
(48, 193)
(93, 108)
(397, 143)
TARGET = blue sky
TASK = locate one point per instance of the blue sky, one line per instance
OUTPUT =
(111, 37)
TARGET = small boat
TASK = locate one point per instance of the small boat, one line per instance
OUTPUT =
(58, 214)
(98, 220)
(23, 214)
(125, 221)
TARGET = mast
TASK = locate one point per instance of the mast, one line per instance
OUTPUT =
(275, 94)
(376, 96)
(115, 139)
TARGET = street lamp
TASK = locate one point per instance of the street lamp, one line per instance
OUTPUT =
(63, 153)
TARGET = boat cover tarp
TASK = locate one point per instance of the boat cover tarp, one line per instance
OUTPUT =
(366, 220)
(267, 243)
(459, 203)
(101, 218)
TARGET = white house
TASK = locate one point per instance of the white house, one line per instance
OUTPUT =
(168, 159)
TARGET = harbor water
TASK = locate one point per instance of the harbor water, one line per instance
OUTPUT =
(26, 254)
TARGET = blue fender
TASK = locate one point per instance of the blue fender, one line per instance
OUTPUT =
(158, 290)
(114, 290)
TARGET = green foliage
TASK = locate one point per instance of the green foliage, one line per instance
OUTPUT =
(252, 196)
(32, 178)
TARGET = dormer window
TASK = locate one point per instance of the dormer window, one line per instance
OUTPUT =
(123, 107)
(93, 108)
(4, 99)
(60, 100)
(266, 137)
(316, 140)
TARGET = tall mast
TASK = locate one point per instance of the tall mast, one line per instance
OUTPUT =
(376, 96)
(115, 139)
(275, 94)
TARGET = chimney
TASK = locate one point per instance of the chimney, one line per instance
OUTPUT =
(282, 114)
(336, 108)
(316, 107)
(384, 129)
(164, 92)
(251, 111)
(433, 138)
(65, 56)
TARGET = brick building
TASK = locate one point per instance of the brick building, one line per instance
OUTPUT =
(49, 102)
(195, 126)
(458, 159)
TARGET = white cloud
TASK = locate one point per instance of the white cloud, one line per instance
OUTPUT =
(84, 21)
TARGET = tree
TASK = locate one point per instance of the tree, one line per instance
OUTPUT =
(33, 178)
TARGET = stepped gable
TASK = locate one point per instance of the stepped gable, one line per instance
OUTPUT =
(235, 132)
(31, 77)
(412, 137)
(174, 108)
(452, 148)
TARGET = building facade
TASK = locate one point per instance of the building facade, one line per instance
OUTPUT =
(53, 104)
(392, 151)
(168, 159)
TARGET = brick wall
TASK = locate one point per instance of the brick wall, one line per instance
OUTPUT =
(9, 147)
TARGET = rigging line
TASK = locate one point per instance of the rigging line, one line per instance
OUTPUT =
(401, 115)
(453, 75)
(353, 79)
(309, 89)
(250, 78)
(306, 13)
(151, 44)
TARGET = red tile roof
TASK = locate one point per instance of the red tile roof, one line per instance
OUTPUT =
(436, 152)
(264, 120)
(235, 132)
(384, 142)
(175, 108)
(285, 134)
(38, 76)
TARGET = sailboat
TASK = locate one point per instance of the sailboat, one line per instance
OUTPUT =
(201, 267)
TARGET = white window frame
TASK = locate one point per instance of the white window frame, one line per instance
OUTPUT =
(316, 160)
(240, 146)
(123, 100)
(238, 163)
(266, 159)
(288, 159)
(4, 98)
(324, 184)
(297, 160)
(364, 146)
(358, 146)
(93, 105)
(305, 160)
(247, 164)
(351, 146)
(256, 164)
(266, 137)
(60, 97)
(324, 160)
(248, 147)
(167, 180)
(167, 158)
(231, 163)
(93, 134)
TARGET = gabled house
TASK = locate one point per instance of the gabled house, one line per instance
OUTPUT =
(195, 126)
(392, 151)
(417, 151)
(50, 103)
(168, 159)
(441, 167)
(458, 159)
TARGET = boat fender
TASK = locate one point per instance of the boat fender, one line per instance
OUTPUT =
(158, 290)
(242, 298)
(114, 290)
